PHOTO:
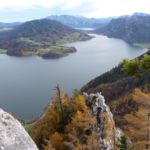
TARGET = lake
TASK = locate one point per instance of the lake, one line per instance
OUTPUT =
(27, 83)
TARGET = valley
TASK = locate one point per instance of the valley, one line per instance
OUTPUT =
(96, 98)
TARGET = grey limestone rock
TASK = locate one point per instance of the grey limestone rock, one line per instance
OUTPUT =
(12, 134)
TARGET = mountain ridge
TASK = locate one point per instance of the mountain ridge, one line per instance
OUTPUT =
(79, 21)
(128, 98)
(116, 74)
(132, 29)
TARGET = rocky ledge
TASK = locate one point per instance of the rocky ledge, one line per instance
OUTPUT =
(12, 135)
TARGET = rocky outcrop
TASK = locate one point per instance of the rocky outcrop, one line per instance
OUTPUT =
(12, 135)
(109, 135)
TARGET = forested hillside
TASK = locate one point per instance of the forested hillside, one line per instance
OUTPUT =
(127, 91)
(132, 29)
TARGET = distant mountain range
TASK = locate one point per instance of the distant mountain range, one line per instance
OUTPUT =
(37, 37)
(8, 26)
(14, 24)
(44, 37)
(80, 22)
(133, 29)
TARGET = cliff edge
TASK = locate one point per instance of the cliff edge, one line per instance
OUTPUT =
(12, 135)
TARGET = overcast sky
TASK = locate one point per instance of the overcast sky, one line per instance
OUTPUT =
(21, 10)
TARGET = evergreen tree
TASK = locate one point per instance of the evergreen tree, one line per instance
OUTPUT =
(137, 67)
(124, 144)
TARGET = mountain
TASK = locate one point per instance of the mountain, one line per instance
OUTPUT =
(128, 97)
(11, 25)
(80, 22)
(132, 29)
(42, 37)
(110, 112)
(140, 14)
(8, 26)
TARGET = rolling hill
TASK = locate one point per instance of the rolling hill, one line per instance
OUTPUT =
(39, 37)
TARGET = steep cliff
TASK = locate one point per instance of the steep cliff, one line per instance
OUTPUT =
(108, 133)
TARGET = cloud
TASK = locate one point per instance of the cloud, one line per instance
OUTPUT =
(28, 9)
(105, 8)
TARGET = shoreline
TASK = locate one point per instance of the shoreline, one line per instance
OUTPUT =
(144, 46)
(55, 51)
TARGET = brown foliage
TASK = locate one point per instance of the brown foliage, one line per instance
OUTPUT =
(75, 133)
(131, 115)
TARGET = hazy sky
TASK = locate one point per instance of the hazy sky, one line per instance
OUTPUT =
(21, 10)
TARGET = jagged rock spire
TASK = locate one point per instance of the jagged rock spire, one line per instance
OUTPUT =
(108, 134)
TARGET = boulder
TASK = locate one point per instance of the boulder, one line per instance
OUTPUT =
(12, 134)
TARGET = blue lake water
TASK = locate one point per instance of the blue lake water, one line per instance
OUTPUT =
(27, 83)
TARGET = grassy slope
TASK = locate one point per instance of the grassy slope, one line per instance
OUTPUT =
(142, 45)
(76, 36)
(43, 48)
(3, 51)
(5, 29)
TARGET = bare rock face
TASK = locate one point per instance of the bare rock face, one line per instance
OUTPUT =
(12, 135)
(109, 135)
